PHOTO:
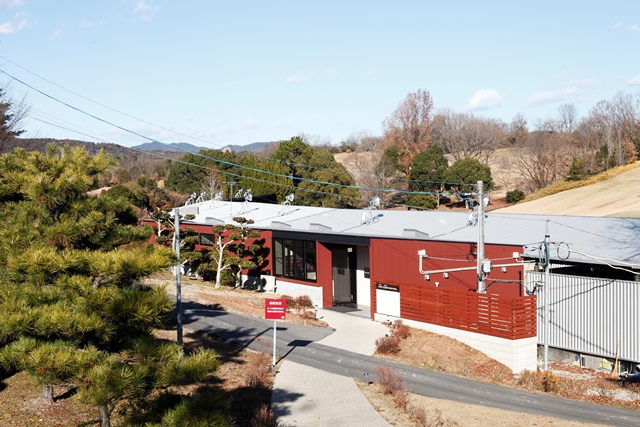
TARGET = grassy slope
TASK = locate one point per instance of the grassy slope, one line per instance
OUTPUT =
(612, 193)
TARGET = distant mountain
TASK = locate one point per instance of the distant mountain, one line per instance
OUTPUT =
(184, 147)
(118, 151)
(254, 147)
(179, 146)
(39, 144)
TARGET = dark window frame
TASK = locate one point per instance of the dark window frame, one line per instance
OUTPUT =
(212, 239)
(295, 259)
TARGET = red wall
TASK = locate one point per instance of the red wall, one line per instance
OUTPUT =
(397, 261)
(265, 240)
(325, 273)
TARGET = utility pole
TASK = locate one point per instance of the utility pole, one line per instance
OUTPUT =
(480, 250)
(231, 183)
(547, 290)
(176, 232)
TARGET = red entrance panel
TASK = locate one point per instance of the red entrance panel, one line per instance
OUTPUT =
(275, 308)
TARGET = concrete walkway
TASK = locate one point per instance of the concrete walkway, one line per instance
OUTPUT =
(305, 396)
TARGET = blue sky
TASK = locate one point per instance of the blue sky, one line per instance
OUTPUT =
(237, 72)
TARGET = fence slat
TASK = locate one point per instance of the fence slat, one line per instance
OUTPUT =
(495, 315)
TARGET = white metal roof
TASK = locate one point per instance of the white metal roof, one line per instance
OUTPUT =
(598, 240)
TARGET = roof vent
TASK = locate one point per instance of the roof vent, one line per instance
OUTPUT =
(412, 233)
(189, 210)
(319, 227)
(280, 225)
(213, 221)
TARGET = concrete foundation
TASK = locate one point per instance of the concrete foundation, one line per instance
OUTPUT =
(517, 355)
(283, 287)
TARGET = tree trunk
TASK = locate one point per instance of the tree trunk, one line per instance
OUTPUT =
(219, 272)
(105, 419)
(238, 279)
(47, 393)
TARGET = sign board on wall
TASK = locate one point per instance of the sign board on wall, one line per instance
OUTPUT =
(388, 299)
(275, 308)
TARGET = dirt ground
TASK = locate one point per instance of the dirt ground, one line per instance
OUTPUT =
(440, 353)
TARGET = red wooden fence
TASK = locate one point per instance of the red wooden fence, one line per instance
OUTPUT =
(499, 316)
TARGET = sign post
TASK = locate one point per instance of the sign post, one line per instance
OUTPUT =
(275, 309)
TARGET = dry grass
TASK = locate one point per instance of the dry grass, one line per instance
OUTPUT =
(21, 405)
(560, 186)
(391, 384)
(389, 380)
(388, 345)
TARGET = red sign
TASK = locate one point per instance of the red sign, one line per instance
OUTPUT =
(275, 308)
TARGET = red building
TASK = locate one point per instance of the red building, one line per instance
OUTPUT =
(387, 263)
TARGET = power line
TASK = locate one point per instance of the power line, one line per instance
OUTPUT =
(198, 139)
(106, 106)
(345, 186)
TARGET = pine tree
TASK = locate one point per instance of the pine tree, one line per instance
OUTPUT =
(71, 298)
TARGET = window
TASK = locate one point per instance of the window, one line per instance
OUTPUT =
(295, 258)
(207, 239)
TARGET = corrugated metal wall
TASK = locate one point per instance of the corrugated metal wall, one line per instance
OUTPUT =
(590, 315)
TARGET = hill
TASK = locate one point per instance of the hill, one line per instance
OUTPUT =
(254, 147)
(615, 197)
(181, 147)
(118, 151)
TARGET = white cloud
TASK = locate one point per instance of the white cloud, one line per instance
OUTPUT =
(634, 28)
(485, 98)
(57, 33)
(571, 90)
(6, 28)
(10, 3)
(297, 77)
(141, 6)
(617, 25)
(250, 124)
(634, 81)
(23, 24)
(145, 10)
(369, 72)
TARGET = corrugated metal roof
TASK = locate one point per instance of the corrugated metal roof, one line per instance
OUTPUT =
(609, 240)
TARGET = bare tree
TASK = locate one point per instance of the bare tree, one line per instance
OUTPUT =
(269, 149)
(544, 157)
(518, 130)
(211, 183)
(408, 128)
(316, 140)
(568, 120)
(609, 135)
(372, 144)
(463, 135)
(12, 113)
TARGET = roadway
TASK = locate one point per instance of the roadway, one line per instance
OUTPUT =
(299, 344)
